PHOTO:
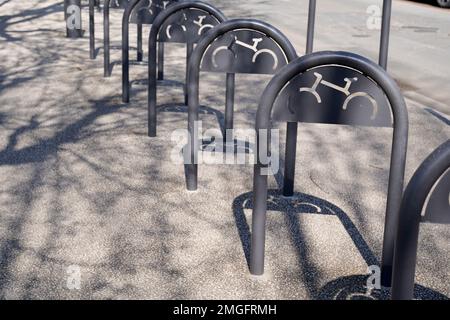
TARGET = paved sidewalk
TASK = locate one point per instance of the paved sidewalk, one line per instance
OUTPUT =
(82, 185)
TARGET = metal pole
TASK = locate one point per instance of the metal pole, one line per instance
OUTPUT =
(140, 51)
(160, 60)
(189, 49)
(292, 127)
(258, 221)
(125, 51)
(106, 53)
(311, 26)
(385, 33)
(92, 29)
(229, 101)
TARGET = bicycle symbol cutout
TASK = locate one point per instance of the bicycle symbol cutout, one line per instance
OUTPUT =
(345, 90)
(150, 5)
(198, 22)
(253, 47)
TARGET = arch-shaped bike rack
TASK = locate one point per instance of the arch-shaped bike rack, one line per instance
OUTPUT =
(228, 49)
(427, 192)
(139, 12)
(107, 6)
(295, 95)
(185, 22)
(115, 4)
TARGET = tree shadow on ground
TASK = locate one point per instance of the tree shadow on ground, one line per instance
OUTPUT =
(352, 287)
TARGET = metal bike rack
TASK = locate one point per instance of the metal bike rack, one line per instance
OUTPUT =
(428, 192)
(295, 95)
(72, 17)
(109, 4)
(184, 22)
(139, 12)
(228, 49)
(288, 190)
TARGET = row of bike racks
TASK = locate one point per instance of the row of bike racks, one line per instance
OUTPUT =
(324, 87)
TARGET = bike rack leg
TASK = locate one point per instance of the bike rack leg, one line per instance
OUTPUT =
(160, 60)
(311, 26)
(106, 52)
(192, 152)
(405, 257)
(292, 127)
(189, 49)
(152, 88)
(125, 64)
(258, 222)
(385, 33)
(394, 199)
(289, 161)
(229, 102)
(140, 51)
(91, 29)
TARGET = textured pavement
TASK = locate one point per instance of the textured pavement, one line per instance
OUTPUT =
(82, 185)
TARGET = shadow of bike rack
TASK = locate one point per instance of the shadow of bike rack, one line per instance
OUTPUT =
(140, 12)
(186, 23)
(331, 88)
(427, 192)
(235, 46)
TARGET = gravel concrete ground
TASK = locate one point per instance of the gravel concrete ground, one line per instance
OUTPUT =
(83, 187)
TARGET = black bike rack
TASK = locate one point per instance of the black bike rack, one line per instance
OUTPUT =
(428, 192)
(295, 95)
(72, 17)
(288, 190)
(109, 4)
(139, 12)
(185, 22)
(219, 51)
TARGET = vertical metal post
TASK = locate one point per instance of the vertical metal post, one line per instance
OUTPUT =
(160, 60)
(72, 17)
(387, 259)
(189, 49)
(92, 29)
(229, 101)
(258, 220)
(292, 127)
(106, 53)
(125, 53)
(311, 26)
(385, 33)
(140, 51)
(405, 256)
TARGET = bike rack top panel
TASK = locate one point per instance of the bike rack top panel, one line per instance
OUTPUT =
(245, 46)
(322, 88)
(186, 22)
(333, 94)
(145, 11)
